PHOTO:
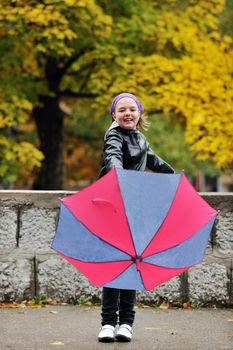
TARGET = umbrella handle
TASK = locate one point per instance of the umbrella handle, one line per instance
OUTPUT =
(104, 201)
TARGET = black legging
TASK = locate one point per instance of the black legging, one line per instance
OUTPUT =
(114, 300)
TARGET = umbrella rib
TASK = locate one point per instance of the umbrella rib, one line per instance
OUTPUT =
(163, 219)
(142, 279)
(92, 262)
(176, 245)
(118, 184)
(101, 239)
(167, 267)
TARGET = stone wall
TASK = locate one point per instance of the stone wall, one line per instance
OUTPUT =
(28, 266)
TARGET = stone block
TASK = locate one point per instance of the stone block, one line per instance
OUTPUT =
(16, 279)
(208, 284)
(37, 229)
(59, 280)
(224, 233)
(8, 228)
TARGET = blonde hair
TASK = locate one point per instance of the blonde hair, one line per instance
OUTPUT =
(143, 122)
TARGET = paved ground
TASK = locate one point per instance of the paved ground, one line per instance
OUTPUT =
(76, 328)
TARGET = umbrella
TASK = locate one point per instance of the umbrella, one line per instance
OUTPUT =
(133, 229)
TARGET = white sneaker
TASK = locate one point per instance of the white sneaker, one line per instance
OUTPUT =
(107, 334)
(124, 333)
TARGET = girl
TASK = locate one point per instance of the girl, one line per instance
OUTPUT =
(125, 147)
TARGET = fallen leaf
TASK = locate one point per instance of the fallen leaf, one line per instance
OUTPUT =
(153, 328)
(141, 306)
(89, 303)
(165, 306)
(9, 306)
(169, 331)
(27, 303)
(187, 305)
(50, 301)
(35, 306)
(59, 343)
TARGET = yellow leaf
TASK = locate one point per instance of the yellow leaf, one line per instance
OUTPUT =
(165, 305)
(57, 343)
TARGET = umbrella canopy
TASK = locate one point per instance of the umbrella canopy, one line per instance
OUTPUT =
(134, 230)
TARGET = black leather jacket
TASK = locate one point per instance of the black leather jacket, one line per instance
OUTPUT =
(129, 149)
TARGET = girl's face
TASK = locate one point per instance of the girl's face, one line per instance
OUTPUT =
(126, 113)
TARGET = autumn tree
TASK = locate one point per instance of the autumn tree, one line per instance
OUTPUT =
(15, 154)
(185, 72)
(91, 50)
(189, 74)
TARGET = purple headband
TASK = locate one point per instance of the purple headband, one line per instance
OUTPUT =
(126, 94)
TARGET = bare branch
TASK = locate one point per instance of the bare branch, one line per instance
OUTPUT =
(72, 60)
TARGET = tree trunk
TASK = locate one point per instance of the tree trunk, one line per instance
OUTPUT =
(49, 120)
